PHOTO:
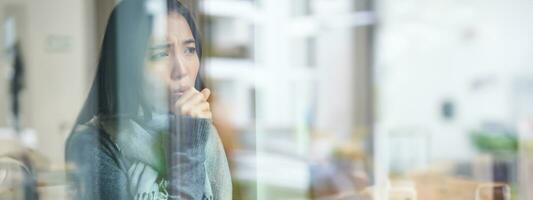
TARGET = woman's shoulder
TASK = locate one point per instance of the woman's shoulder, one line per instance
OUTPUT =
(89, 139)
(83, 134)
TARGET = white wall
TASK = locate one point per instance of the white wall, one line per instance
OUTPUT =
(430, 51)
(56, 76)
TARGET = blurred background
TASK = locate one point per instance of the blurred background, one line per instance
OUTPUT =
(313, 99)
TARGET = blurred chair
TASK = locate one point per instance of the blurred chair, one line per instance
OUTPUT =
(493, 191)
(17, 180)
(12, 178)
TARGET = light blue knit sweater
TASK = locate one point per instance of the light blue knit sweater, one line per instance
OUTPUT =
(144, 161)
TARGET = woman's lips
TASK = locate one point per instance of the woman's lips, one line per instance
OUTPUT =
(179, 92)
(176, 94)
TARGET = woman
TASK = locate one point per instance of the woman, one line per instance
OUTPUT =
(145, 129)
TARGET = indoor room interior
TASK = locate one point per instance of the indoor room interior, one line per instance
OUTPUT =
(312, 99)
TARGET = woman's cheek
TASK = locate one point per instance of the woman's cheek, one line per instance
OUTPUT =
(161, 70)
(155, 92)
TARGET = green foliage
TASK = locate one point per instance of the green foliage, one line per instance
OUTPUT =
(495, 142)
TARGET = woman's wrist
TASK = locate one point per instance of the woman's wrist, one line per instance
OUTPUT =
(189, 133)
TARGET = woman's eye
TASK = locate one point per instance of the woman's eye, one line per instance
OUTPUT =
(158, 55)
(190, 50)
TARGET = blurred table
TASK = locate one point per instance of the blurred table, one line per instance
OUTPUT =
(440, 187)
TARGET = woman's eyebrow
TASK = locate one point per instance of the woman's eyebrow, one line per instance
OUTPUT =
(188, 41)
(160, 46)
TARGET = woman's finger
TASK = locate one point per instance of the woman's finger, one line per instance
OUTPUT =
(206, 92)
(186, 96)
(203, 107)
(200, 110)
(191, 104)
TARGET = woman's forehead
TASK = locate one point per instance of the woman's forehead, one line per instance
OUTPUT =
(178, 27)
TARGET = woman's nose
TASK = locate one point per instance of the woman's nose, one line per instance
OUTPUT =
(179, 70)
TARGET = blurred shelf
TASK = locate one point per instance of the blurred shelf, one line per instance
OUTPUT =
(248, 71)
(298, 26)
(312, 25)
(231, 8)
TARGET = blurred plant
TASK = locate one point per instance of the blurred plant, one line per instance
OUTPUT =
(495, 141)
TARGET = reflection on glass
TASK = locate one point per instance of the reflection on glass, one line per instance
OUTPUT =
(266, 99)
(145, 130)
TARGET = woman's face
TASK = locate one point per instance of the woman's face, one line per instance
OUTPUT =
(173, 63)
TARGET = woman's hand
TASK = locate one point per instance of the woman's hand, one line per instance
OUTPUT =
(194, 104)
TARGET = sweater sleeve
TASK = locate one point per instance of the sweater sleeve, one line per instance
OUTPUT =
(187, 155)
(96, 172)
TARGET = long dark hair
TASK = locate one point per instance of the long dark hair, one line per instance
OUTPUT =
(117, 87)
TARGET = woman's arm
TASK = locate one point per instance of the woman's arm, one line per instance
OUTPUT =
(187, 155)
